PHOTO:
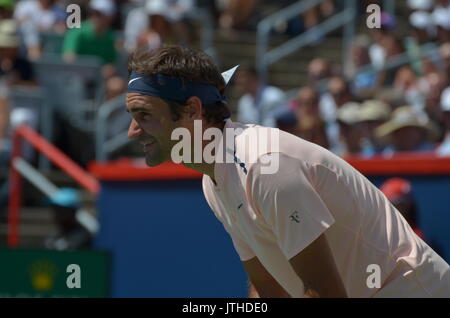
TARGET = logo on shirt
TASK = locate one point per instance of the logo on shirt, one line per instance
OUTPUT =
(295, 217)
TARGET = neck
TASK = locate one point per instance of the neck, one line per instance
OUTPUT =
(205, 167)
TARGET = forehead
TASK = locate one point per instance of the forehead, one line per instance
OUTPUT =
(135, 102)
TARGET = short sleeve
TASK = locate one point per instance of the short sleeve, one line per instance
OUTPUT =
(288, 202)
(71, 41)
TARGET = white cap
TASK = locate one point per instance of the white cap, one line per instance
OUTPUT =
(445, 100)
(106, 7)
(420, 4)
(420, 20)
(159, 7)
(441, 17)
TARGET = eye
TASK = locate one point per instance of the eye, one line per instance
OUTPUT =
(143, 116)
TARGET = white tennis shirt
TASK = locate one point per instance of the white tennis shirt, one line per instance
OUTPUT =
(275, 216)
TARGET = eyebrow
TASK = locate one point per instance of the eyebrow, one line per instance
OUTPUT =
(138, 109)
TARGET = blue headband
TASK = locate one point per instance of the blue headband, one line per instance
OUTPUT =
(172, 88)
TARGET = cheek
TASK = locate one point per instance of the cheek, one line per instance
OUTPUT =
(150, 126)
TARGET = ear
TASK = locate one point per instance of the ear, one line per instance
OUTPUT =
(194, 108)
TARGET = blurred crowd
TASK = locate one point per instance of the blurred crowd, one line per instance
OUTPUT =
(365, 108)
(370, 107)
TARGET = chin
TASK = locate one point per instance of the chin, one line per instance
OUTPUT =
(153, 162)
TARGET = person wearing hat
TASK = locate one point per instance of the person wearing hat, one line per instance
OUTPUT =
(441, 18)
(408, 130)
(372, 114)
(444, 148)
(421, 32)
(349, 131)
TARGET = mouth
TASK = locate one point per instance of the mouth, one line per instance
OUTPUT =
(147, 145)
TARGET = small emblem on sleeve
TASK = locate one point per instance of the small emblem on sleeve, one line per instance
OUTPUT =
(295, 217)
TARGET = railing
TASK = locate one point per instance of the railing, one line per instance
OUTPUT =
(266, 57)
(103, 146)
(25, 133)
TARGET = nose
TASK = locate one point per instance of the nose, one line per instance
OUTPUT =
(134, 130)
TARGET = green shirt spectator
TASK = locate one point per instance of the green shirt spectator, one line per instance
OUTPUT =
(85, 41)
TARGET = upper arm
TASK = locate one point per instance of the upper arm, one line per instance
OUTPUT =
(262, 280)
(288, 203)
(316, 267)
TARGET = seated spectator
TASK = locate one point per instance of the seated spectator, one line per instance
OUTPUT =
(147, 27)
(408, 130)
(434, 84)
(349, 131)
(319, 69)
(421, 32)
(235, 14)
(377, 50)
(399, 192)
(363, 83)
(337, 95)
(441, 18)
(444, 147)
(310, 126)
(372, 114)
(36, 16)
(95, 37)
(258, 102)
(444, 54)
(407, 82)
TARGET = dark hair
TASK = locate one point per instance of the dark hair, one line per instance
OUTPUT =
(189, 64)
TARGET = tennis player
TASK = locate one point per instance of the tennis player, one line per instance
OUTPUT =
(310, 224)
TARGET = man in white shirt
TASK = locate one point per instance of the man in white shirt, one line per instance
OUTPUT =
(302, 220)
(258, 103)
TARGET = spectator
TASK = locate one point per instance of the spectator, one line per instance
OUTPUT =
(434, 83)
(95, 37)
(258, 102)
(441, 18)
(363, 83)
(444, 54)
(408, 130)
(399, 192)
(310, 126)
(338, 94)
(236, 14)
(156, 22)
(349, 132)
(421, 32)
(319, 69)
(377, 51)
(36, 16)
(406, 81)
(444, 147)
(372, 114)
